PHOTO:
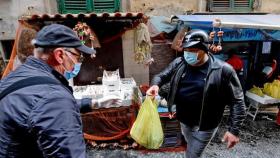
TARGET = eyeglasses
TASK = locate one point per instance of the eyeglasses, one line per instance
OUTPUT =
(80, 56)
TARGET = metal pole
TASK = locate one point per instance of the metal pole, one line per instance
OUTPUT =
(219, 23)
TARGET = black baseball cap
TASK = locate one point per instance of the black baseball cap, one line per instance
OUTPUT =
(56, 35)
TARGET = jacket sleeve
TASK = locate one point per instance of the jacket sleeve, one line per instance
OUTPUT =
(165, 75)
(236, 101)
(84, 104)
(57, 125)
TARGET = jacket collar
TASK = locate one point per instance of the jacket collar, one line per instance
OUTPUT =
(215, 63)
(39, 64)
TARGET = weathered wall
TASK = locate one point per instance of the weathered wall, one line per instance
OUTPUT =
(11, 10)
(125, 5)
(131, 69)
(165, 7)
(270, 6)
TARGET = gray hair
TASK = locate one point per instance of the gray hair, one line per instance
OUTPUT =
(42, 53)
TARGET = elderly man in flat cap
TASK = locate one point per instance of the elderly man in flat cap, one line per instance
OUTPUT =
(39, 117)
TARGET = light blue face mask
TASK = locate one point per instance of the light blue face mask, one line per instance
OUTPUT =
(191, 58)
(70, 74)
(77, 67)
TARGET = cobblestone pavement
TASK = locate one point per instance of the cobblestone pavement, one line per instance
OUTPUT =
(259, 139)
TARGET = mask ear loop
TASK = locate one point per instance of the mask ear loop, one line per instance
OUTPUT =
(70, 56)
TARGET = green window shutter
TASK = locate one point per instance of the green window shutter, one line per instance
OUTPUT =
(231, 5)
(242, 5)
(109, 6)
(220, 5)
(75, 6)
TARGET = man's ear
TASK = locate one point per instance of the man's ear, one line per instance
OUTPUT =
(58, 55)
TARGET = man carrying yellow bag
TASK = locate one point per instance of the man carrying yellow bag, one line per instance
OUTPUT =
(147, 130)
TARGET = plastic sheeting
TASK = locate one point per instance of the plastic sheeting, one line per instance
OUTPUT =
(236, 33)
(159, 24)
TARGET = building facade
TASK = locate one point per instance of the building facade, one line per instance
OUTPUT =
(167, 8)
(12, 10)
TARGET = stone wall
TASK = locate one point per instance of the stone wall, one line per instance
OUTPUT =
(12, 10)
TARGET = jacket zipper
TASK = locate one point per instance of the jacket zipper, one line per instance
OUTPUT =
(176, 86)
(204, 92)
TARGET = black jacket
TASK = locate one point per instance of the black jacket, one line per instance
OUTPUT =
(222, 88)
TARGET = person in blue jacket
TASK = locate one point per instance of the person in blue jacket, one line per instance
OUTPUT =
(39, 117)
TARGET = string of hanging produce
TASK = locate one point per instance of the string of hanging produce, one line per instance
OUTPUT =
(215, 48)
(84, 32)
(143, 45)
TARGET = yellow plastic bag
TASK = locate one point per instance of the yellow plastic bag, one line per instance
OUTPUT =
(267, 89)
(147, 129)
(272, 89)
(257, 91)
(275, 89)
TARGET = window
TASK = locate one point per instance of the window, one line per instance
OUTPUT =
(231, 5)
(75, 6)
(87, 6)
(106, 5)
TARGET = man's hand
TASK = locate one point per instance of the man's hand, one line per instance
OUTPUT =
(153, 91)
(106, 102)
(231, 139)
(172, 115)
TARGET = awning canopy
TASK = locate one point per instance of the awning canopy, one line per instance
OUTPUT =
(106, 16)
(159, 24)
(237, 27)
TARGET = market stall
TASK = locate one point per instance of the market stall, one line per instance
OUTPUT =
(123, 47)
(109, 35)
(115, 121)
(257, 102)
(254, 36)
(112, 34)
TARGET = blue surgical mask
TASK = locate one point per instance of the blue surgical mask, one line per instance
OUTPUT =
(191, 58)
(77, 67)
(70, 74)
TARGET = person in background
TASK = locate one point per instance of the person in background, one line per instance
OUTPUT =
(24, 46)
(237, 63)
(201, 87)
(265, 73)
(268, 70)
(234, 60)
(39, 116)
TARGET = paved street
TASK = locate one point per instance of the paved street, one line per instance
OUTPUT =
(261, 140)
